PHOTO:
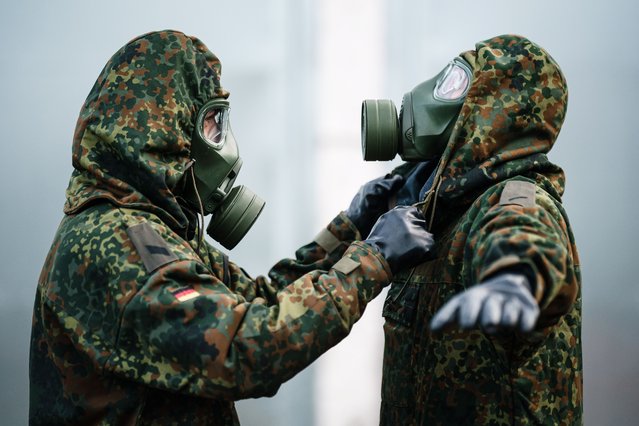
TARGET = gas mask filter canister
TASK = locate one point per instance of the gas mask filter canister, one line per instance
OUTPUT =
(425, 122)
(217, 164)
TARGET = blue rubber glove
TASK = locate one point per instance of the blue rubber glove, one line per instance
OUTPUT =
(501, 302)
(400, 236)
(371, 201)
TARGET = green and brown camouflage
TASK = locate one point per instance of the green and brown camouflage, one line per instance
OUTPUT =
(510, 119)
(129, 332)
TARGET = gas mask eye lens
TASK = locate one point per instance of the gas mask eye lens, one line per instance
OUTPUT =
(212, 130)
(454, 84)
(213, 124)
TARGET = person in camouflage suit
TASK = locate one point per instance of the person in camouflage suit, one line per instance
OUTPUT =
(139, 321)
(488, 331)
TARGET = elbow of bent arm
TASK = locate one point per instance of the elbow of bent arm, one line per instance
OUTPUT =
(562, 300)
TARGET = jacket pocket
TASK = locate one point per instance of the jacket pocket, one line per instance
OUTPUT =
(401, 303)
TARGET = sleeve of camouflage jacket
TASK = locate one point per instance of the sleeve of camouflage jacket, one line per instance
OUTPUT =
(320, 254)
(186, 331)
(534, 238)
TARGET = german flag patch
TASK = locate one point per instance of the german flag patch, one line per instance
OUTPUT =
(184, 293)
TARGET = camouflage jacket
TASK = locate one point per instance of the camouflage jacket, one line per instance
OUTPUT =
(132, 324)
(495, 205)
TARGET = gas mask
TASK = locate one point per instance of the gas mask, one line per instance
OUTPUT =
(426, 118)
(217, 164)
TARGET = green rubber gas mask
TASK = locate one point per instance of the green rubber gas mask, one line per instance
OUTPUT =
(426, 118)
(217, 164)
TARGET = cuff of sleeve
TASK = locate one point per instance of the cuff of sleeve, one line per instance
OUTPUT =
(346, 227)
(513, 262)
(327, 240)
(369, 257)
(340, 230)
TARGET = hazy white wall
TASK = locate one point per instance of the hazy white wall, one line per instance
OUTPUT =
(297, 71)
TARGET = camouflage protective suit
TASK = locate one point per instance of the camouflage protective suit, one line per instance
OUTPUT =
(495, 206)
(131, 324)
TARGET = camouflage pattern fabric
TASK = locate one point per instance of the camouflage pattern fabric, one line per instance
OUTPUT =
(119, 340)
(509, 121)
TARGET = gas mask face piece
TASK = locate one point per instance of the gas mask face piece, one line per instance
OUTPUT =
(217, 164)
(425, 122)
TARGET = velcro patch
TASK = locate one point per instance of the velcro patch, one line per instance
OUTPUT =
(346, 265)
(519, 193)
(153, 250)
(326, 240)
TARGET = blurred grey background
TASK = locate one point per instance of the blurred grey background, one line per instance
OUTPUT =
(297, 71)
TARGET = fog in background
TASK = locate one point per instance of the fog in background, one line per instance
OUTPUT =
(297, 71)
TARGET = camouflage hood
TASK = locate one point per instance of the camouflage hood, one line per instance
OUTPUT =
(509, 121)
(132, 141)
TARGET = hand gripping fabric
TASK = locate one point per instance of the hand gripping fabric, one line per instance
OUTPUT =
(400, 236)
(371, 201)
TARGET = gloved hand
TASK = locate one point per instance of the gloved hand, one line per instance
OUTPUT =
(501, 302)
(400, 236)
(371, 201)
